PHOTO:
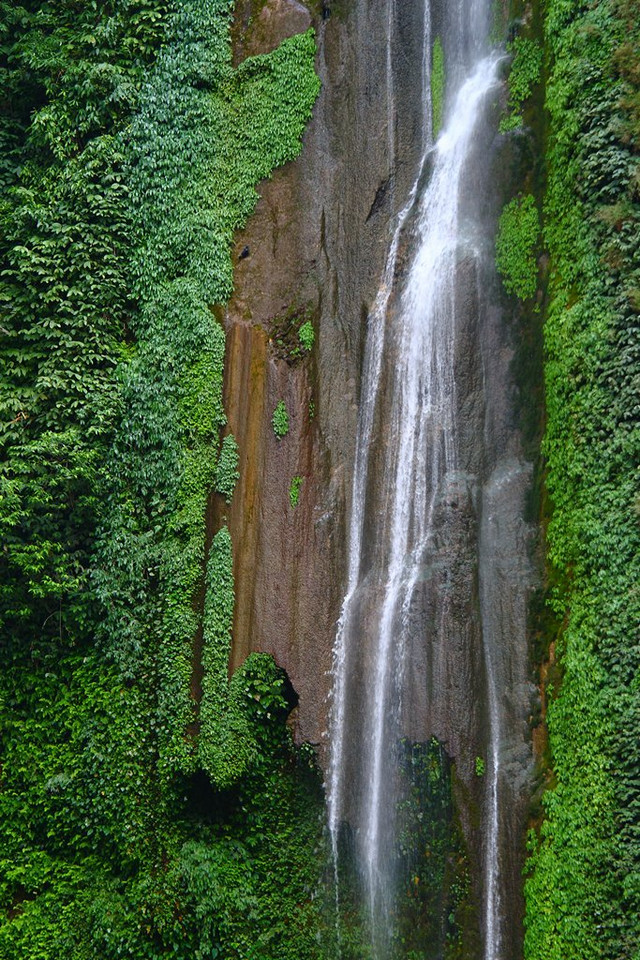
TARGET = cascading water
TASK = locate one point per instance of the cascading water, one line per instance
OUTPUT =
(410, 435)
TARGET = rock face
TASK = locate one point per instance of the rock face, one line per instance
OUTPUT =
(315, 249)
(260, 26)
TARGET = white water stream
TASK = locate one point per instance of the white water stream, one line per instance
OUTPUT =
(413, 333)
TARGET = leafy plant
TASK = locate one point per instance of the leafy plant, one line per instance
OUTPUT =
(516, 245)
(294, 491)
(307, 336)
(280, 420)
(525, 73)
(227, 470)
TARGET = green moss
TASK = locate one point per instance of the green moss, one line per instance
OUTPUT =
(516, 245)
(432, 869)
(437, 81)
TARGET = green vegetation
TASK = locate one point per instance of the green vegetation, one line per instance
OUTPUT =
(437, 86)
(583, 889)
(292, 335)
(227, 469)
(231, 745)
(225, 746)
(525, 73)
(131, 150)
(280, 420)
(229, 131)
(65, 245)
(307, 336)
(480, 767)
(294, 491)
(516, 245)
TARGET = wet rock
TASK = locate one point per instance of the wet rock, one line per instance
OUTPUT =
(318, 243)
(313, 246)
(261, 25)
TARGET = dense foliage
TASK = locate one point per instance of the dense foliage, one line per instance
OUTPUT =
(524, 75)
(516, 246)
(130, 150)
(70, 79)
(583, 892)
(227, 469)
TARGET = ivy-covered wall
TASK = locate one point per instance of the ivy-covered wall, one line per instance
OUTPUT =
(130, 151)
(583, 875)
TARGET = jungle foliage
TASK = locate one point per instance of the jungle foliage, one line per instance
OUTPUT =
(583, 890)
(130, 148)
(524, 75)
(516, 246)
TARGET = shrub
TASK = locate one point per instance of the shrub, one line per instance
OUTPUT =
(307, 335)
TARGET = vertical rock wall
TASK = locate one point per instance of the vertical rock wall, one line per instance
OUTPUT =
(315, 247)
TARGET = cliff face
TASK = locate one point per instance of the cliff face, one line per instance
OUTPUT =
(315, 248)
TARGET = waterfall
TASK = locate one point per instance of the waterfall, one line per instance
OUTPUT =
(409, 435)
